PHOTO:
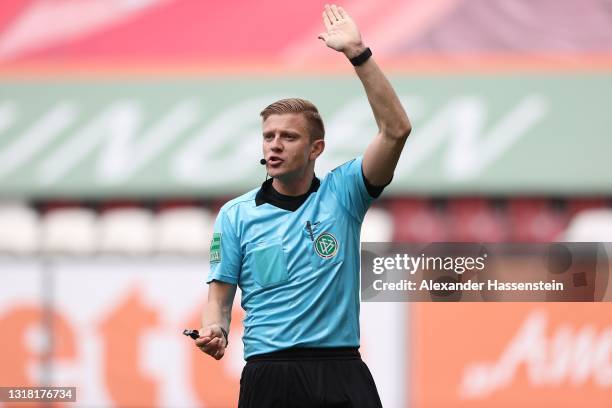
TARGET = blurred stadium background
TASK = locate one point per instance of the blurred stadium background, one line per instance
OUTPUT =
(125, 124)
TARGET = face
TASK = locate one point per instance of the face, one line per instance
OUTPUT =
(287, 146)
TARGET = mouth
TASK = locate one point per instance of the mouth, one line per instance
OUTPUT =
(275, 161)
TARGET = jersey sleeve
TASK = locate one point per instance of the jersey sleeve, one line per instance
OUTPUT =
(225, 255)
(347, 182)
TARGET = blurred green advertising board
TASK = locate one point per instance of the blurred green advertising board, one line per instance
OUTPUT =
(472, 134)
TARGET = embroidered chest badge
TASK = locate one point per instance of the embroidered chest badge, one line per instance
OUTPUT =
(326, 245)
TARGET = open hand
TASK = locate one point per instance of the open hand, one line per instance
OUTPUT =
(341, 32)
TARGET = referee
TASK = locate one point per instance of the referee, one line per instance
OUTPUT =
(292, 246)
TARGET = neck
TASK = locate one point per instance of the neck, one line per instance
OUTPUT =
(294, 186)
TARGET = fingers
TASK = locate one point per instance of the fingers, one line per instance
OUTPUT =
(202, 341)
(326, 20)
(214, 347)
(206, 336)
(332, 15)
(211, 342)
(335, 12)
(219, 354)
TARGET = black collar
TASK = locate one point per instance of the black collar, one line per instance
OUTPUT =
(267, 194)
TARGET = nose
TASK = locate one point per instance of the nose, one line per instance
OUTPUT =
(276, 144)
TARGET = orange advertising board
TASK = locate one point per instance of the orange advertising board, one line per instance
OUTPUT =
(511, 355)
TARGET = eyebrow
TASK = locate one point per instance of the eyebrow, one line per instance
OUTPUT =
(287, 132)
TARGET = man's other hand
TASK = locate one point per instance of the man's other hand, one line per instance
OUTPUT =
(211, 341)
(341, 32)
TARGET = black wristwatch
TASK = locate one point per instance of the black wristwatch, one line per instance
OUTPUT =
(361, 58)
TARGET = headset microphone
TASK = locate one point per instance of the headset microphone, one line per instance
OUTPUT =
(263, 161)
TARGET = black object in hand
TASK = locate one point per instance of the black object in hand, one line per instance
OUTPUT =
(194, 334)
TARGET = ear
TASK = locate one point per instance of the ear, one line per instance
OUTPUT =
(316, 148)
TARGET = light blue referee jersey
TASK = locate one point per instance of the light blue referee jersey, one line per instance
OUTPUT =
(298, 270)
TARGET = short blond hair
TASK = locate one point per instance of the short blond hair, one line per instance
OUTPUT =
(314, 122)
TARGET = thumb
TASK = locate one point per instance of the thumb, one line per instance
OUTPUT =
(323, 36)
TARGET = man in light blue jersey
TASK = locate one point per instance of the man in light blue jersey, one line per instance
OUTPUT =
(292, 246)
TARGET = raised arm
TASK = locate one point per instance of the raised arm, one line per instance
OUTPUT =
(383, 152)
(216, 318)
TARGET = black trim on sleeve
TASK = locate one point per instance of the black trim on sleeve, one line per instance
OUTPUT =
(373, 191)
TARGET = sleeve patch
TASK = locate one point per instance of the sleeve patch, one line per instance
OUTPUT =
(215, 248)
